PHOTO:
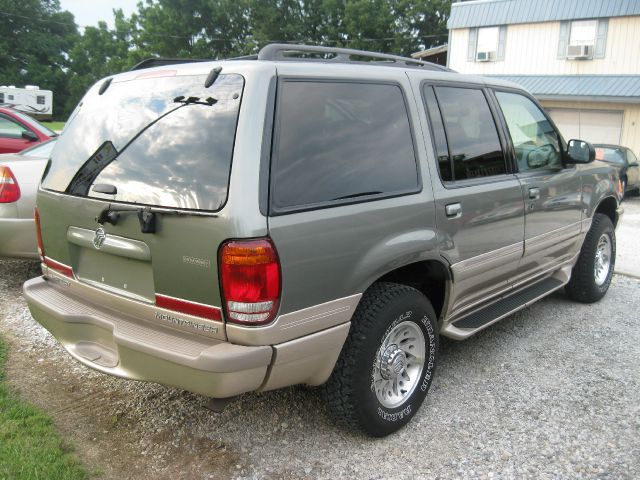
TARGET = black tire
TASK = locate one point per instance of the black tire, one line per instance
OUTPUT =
(624, 188)
(351, 396)
(583, 286)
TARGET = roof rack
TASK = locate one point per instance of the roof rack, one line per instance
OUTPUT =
(161, 62)
(311, 53)
(245, 57)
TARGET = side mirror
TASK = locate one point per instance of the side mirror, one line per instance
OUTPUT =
(29, 135)
(579, 151)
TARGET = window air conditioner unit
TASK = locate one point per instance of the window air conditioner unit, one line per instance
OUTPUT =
(578, 52)
(485, 56)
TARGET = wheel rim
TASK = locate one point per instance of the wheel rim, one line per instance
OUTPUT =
(603, 259)
(399, 364)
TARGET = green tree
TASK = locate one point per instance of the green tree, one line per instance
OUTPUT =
(100, 52)
(35, 40)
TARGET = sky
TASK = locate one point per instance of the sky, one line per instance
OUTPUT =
(89, 12)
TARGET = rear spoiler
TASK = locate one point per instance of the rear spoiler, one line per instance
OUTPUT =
(161, 62)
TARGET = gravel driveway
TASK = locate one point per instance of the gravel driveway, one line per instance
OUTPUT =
(550, 392)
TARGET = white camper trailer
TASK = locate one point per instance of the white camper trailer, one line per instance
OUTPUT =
(30, 100)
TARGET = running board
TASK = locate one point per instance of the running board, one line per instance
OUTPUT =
(504, 307)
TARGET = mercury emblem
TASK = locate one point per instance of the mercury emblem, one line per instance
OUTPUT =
(99, 237)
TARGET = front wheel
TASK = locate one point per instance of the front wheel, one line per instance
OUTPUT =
(591, 275)
(388, 361)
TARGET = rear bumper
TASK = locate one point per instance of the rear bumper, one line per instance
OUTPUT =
(127, 347)
(139, 349)
(18, 238)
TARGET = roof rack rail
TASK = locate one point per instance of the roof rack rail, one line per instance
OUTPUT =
(307, 53)
(161, 62)
(245, 57)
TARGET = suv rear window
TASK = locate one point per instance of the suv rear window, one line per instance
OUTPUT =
(339, 141)
(183, 160)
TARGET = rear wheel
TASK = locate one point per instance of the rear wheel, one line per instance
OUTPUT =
(387, 363)
(591, 275)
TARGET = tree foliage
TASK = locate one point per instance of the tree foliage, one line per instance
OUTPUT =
(45, 46)
(35, 41)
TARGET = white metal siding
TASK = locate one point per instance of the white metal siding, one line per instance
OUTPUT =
(533, 48)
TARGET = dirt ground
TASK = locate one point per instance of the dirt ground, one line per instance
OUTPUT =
(86, 410)
(552, 392)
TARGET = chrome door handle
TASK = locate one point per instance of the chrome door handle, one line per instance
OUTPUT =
(453, 210)
(534, 193)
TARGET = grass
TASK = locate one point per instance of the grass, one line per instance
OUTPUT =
(55, 126)
(30, 446)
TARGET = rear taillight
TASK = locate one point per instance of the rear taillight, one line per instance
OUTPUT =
(9, 189)
(250, 276)
(36, 217)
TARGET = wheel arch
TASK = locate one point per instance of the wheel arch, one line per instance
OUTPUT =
(431, 277)
(609, 206)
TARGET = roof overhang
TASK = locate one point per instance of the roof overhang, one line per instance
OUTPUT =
(580, 88)
(431, 51)
(587, 98)
(485, 13)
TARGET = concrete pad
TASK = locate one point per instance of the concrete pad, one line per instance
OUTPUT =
(628, 239)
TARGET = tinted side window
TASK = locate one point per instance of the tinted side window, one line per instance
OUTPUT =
(473, 140)
(535, 141)
(341, 140)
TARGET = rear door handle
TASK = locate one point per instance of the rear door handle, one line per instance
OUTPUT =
(534, 193)
(453, 210)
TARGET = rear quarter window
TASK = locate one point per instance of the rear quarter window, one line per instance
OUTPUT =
(474, 146)
(337, 141)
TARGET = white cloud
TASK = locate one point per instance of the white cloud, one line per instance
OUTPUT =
(89, 12)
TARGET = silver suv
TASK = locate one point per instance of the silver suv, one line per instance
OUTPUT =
(309, 216)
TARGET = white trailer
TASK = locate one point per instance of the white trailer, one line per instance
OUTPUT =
(30, 100)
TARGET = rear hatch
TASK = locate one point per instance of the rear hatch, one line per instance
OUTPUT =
(130, 198)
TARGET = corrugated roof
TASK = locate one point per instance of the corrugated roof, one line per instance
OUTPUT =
(612, 88)
(482, 13)
(431, 51)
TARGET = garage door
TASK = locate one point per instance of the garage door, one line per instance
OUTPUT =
(594, 126)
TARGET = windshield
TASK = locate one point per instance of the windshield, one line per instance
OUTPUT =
(610, 155)
(152, 149)
(34, 124)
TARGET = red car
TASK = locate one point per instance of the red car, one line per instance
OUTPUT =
(19, 131)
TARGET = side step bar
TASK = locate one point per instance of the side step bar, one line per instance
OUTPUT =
(500, 309)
